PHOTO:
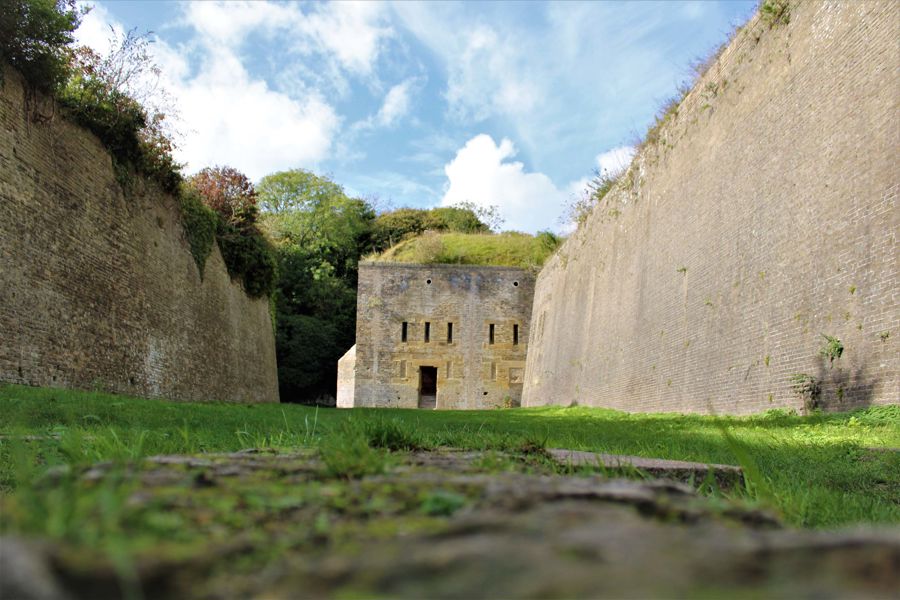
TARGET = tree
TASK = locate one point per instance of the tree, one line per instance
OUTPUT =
(36, 38)
(319, 234)
(297, 189)
(228, 192)
(247, 253)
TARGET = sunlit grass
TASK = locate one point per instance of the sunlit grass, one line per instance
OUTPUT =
(819, 470)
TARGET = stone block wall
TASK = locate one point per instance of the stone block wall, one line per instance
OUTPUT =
(762, 218)
(473, 370)
(98, 289)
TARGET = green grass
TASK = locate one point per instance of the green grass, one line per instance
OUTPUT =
(509, 249)
(816, 471)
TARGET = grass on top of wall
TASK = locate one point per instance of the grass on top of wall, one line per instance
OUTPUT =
(822, 470)
(509, 249)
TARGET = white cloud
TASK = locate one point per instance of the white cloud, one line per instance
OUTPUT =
(233, 118)
(615, 161)
(489, 72)
(96, 29)
(482, 174)
(396, 104)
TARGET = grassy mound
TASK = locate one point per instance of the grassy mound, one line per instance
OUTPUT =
(510, 249)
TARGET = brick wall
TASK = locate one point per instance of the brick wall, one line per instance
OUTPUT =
(764, 217)
(99, 290)
(472, 372)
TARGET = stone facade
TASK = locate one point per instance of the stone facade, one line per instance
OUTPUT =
(441, 336)
(98, 289)
(764, 216)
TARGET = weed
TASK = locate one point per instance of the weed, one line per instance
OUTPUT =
(852, 289)
(884, 335)
(440, 503)
(346, 453)
(775, 12)
(681, 270)
(833, 349)
(391, 434)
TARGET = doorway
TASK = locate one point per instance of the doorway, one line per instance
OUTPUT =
(427, 387)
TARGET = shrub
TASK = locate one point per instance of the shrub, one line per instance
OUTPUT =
(35, 38)
(248, 256)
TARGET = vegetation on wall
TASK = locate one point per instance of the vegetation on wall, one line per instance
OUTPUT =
(199, 222)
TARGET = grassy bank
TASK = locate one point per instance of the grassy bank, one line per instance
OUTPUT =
(816, 471)
(510, 249)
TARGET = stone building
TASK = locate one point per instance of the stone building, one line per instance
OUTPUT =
(437, 336)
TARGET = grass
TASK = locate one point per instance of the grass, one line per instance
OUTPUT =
(510, 249)
(816, 471)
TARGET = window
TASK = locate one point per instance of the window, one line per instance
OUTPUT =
(427, 331)
(403, 331)
(449, 333)
(516, 334)
(491, 333)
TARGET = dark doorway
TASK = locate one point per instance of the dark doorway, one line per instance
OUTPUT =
(427, 387)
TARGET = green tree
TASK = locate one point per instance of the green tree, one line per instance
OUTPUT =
(319, 234)
(36, 38)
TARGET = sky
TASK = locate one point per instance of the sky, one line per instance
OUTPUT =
(506, 104)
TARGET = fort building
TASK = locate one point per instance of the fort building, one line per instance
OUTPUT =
(438, 336)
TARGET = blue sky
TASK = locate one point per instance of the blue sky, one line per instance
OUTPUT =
(423, 104)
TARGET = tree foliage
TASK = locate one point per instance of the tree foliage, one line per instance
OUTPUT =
(35, 38)
(248, 256)
(319, 234)
(228, 192)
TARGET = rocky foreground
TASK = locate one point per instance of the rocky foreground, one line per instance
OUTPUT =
(439, 524)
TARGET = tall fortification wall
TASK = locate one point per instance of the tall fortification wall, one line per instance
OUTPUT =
(763, 217)
(99, 288)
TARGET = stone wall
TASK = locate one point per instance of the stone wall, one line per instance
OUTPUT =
(98, 289)
(763, 217)
(473, 371)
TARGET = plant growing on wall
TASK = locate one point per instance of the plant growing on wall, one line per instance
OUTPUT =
(833, 349)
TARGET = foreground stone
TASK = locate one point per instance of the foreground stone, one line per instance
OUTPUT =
(437, 525)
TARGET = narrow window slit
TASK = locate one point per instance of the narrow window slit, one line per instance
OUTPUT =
(516, 335)
(403, 331)
(491, 333)
(427, 331)
(449, 333)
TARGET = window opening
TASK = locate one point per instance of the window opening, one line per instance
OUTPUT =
(427, 331)
(516, 334)
(403, 331)
(449, 333)
(491, 333)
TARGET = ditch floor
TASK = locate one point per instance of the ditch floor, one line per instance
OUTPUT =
(437, 524)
